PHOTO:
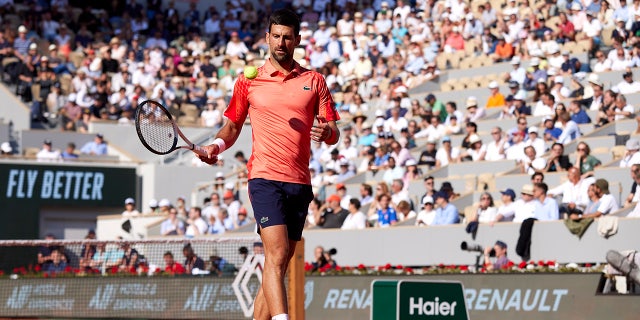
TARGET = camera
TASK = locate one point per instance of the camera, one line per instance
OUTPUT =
(474, 247)
(332, 251)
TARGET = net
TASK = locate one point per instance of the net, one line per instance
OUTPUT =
(155, 127)
(153, 279)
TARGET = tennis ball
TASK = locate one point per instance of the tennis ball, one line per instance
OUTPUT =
(250, 72)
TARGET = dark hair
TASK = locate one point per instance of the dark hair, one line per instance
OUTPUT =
(543, 186)
(285, 17)
(168, 253)
(537, 174)
(367, 187)
(355, 202)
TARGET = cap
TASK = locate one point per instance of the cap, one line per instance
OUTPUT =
(603, 185)
(547, 118)
(129, 201)
(501, 244)
(47, 142)
(164, 203)
(153, 203)
(384, 4)
(242, 211)
(388, 135)
(509, 192)
(6, 147)
(633, 144)
(99, 135)
(340, 186)
(184, 53)
(33, 46)
(472, 102)
(114, 40)
(440, 194)
(431, 140)
(344, 162)
(304, 24)
(322, 23)
(410, 162)
(366, 126)
(228, 195)
(22, 29)
(473, 139)
(427, 199)
(430, 97)
(219, 175)
(229, 186)
(515, 60)
(493, 84)
(401, 89)
(446, 139)
(381, 134)
(533, 130)
(357, 15)
(335, 151)
(513, 84)
(334, 197)
(594, 79)
(627, 74)
(535, 61)
(527, 189)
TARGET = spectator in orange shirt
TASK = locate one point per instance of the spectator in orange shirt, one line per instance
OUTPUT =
(496, 100)
(504, 51)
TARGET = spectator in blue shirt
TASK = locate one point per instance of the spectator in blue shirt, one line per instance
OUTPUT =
(387, 216)
(546, 208)
(96, 147)
(578, 114)
(57, 264)
(551, 133)
(70, 152)
(446, 212)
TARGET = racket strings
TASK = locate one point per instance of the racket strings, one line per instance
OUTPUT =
(156, 128)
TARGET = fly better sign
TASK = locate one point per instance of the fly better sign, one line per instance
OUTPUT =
(431, 300)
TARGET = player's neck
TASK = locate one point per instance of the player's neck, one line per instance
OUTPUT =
(285, 66)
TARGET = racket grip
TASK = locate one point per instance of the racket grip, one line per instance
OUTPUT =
(199, 150)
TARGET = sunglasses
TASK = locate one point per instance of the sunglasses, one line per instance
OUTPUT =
(582, 149)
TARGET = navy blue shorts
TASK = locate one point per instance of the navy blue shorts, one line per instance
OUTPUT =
(280, 203)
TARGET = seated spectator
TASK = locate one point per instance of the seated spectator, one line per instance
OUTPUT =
(631, 156)
(532, 163)
(356, 219)
(427, 214)
(173, 225)
(130, 259)
(191, 259)
(585, 162)
(551, 132)
(428, 156)
(47, 153)
(195, 224)
(171, 265)
(333, 215)
(57, 264)
(70, 152)
(446, 153)
(88, 251)
(243, 220)
(578, 113)
(496, 99)
(557, 160)
(546, 208)
(507, 209)
(399, 192)
(403, 209)
(535, 141)
(486, 212)
(622, 109)
(387, 215)
(634, 194)
(473, 112)
(525, 207)
(447, 188)
(476, 151)
(130, 208)
(215, 225)
(628, 85)
(500, 254)
(104, 259)
(446, 213)
(44, 252)
(96, 147)
(574, 192)
(323, 259)
(605, 203)
(496, 148)
(393, 172)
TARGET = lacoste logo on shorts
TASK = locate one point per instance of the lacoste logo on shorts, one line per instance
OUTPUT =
(306, 88)
(264, 219)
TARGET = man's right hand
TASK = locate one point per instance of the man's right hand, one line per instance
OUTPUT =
(212, 154)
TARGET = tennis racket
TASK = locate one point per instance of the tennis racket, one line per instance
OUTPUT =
(158, 131)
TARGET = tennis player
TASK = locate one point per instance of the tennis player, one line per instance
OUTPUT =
(283, 102)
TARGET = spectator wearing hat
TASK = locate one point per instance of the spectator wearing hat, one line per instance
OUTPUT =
(47, 154)
(500, 253)
(507, 209)
(476, 150)
(525, 206)
(496, 99)
(559, 90)
(427, 214)
(96, 147)
(333, 215)
(631, 156)
(473, 113)
(533, 77)
(446, 213)
(232, 205)
(606, 202)
(628, 85)
(356, 218)
(130, 208)
(534, 139)
(344, 172)
(518, 74)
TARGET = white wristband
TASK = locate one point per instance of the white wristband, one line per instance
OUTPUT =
(222, 146)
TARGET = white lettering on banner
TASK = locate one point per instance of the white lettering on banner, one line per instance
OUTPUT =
(516, 300)
(28, 296)
(107, 299)
(202, 301)
(217, 297)
(347, 299)
(67, 185)
(431, 308)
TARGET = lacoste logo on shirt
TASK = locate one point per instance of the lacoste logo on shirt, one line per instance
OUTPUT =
(264, 219)
(306, 88)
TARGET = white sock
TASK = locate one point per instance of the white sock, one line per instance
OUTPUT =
(282, 316)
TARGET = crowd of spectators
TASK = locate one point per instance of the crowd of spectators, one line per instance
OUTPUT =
(100, 63)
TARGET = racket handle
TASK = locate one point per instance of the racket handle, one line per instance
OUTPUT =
(199, 150)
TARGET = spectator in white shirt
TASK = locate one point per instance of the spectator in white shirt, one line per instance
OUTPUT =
(516, 150)
(532, 162)
(545, 106)
(606, 204)
(426, 215)
(628, 86)
(473, 112)
(235, 47)
(197, 225)
(486, 212)
(495, 148)
(356, 218)
(574, 191)
(446, 153)
(323, 34)
(507, 210)
(559, 91)
(47, 153)
(476, 151)
(525, 207)
(602, 64)
(631, 156)
(621, 109)
(535, 141)
(570, 129)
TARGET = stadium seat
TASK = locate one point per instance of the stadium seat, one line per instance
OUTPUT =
(441, 62)
(618, 152)
(486, 182)
(35, 92)
(606, 35)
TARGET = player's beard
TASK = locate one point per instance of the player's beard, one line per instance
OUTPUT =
(281, 57)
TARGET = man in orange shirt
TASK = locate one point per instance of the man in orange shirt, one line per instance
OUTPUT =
(504, 51)
(496, 99)
(283, 102)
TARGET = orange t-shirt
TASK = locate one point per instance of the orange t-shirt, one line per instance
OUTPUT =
(496, 100)
(282, 111)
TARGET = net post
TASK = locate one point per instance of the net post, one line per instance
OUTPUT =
(296, 283)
